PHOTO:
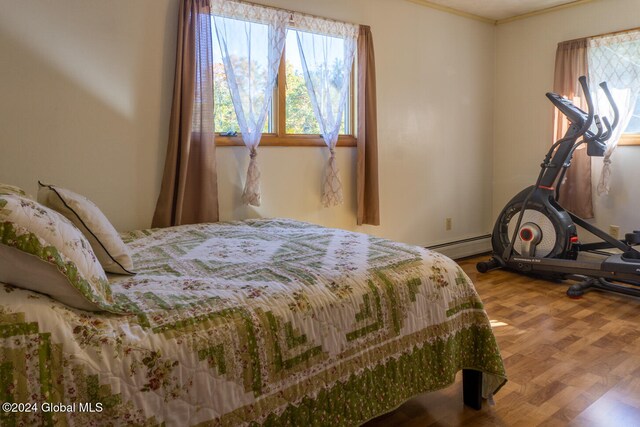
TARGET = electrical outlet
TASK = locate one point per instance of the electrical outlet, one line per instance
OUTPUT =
(448, 224)
(614, 231)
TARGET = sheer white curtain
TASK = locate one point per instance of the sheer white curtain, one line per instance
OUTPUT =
(251, 41)
(327, 58)
(616, 60)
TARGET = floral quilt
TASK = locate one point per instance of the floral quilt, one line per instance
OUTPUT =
(260, 322)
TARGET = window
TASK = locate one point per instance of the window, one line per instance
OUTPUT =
(299, 117)
(615, 58)
(291, 119)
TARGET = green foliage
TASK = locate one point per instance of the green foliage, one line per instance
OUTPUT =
(224, 114)
(300, 118)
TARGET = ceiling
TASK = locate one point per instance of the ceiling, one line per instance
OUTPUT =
(498, 10)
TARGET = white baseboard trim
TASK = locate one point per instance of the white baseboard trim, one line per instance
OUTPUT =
(464, 248)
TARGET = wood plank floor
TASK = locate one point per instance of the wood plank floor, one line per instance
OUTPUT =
(569, 362)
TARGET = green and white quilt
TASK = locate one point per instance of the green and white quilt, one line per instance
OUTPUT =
(272, 322)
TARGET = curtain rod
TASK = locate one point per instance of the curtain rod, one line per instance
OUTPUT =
(292, 12)
(612, 33)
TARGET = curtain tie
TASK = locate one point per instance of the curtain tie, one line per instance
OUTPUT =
(332, 187)
(251, 192)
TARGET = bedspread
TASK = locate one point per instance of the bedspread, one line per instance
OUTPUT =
(272, 322)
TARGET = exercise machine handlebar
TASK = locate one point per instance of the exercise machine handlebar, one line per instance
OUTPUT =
(589, 136)
(587, 95)
(607, 133)
(616, 112)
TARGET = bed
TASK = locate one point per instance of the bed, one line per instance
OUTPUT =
(268, 322)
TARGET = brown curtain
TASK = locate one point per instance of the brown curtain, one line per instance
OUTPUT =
(367, 173)
(571, 63)
(189, 192)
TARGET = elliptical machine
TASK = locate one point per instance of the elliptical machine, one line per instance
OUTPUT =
(535, 235)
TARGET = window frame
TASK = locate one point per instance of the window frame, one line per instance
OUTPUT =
(280, 138)
(629, 139)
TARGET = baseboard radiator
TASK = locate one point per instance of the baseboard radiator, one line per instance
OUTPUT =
(465, 247)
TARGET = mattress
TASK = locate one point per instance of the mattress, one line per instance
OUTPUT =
(273, 322)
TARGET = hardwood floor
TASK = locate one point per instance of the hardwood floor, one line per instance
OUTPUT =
(569, 361)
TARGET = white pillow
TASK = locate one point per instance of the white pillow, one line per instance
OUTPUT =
(42, 251)
(112, 252)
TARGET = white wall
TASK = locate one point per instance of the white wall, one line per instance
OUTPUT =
(434, 72)
(86, 91)
(525, 52)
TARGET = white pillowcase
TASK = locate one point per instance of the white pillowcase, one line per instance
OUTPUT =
(112, 252)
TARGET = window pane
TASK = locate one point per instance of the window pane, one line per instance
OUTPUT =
(224, 114)
(634, 124)
(300, 116)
